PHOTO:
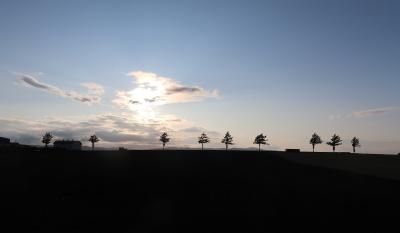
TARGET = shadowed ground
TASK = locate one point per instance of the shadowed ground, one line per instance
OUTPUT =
(187, 191)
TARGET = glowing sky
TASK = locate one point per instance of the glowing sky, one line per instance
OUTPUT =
(129, 70)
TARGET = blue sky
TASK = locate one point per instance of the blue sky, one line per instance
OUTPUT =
(283, 68)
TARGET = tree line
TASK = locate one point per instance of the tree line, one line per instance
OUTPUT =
(334, 142)
(260, 139)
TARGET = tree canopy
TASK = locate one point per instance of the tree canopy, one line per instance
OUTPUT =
(335, 141)
(355, 142)
(315, 139)
(227, 140)
(93, 139)
(203, 139)
(46, 138)
(164, 139)
(261, 140)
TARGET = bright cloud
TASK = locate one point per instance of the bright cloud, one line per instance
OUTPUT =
(152, 90)
(93, 95)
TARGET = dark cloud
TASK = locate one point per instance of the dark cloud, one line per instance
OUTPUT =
(183, 89)
(152, 100)
(83, 99)
(148, 100)
(33, 82)
(133, 102)
(65, 134)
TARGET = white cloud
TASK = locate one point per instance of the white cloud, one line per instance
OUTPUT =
(153, 90)
(93, 95)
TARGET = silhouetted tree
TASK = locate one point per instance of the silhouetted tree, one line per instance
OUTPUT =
(355, 142)
(315, 140)
(227, 140)
(46, 138)
(203, 139)
(164, 139)
(335, 141)
(93, 139)
(260, 139)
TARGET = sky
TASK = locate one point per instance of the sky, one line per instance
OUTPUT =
(130, 70)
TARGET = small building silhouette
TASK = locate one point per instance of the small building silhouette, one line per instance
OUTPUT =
(293, 150)
(122, 149)
(4, 141)
(67, 145)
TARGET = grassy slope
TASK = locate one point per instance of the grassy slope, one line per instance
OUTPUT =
(179, 190)
(385, 166)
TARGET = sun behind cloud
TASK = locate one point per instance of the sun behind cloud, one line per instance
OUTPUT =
(152, 90)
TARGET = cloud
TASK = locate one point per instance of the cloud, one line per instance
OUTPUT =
(116, 136)
(153, 90)
(365, 113)
(93, 95)
(139, 127)
(175, 90)
(112, 129)
(199, 130)
(194, 130)
(374, 112)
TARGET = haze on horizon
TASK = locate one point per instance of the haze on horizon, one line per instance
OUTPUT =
(129, 70)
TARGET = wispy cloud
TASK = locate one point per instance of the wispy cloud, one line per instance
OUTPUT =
(93, 95)
(199, 130)
(365, 113)
(374, 112)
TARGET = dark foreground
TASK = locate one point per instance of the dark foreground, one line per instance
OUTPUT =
(179, 191)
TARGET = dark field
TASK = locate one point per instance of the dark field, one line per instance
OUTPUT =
(189, 191)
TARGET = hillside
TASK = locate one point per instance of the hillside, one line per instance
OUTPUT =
(183, 191)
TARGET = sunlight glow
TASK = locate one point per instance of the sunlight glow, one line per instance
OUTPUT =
(152, 90)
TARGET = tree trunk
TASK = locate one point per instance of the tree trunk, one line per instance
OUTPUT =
(163, 146)
(226, 146)
(92, 145)
(45, 145)
(354, 149)
(202, 147)
(313, 148)
(334, 148)
(259, 147)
